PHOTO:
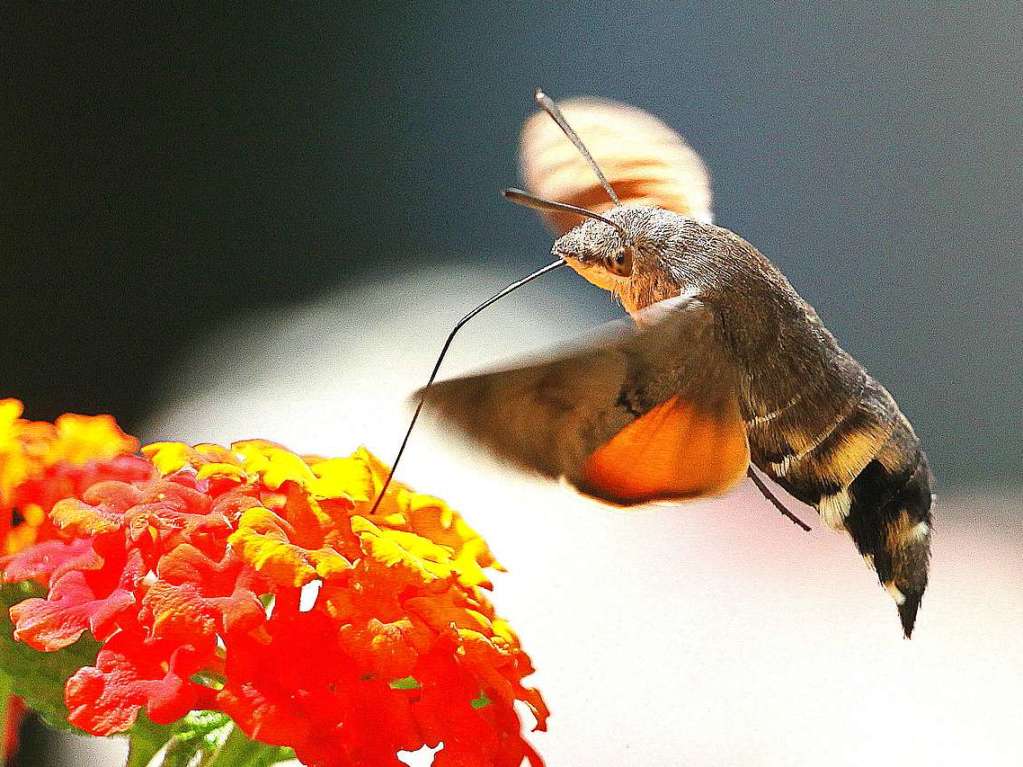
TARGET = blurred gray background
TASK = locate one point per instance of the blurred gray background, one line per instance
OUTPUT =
(167, 172)
(164, 170)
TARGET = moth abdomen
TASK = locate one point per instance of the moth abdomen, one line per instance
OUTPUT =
(890, 522)
(866, 474)
(838, 454)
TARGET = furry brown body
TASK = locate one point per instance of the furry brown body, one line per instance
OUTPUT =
(816, 421)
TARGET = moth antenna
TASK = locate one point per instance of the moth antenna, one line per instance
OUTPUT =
(547, 104)
(528, 200)
(444, 350)
(766, 492)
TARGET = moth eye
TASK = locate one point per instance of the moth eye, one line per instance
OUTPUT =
(621, 264)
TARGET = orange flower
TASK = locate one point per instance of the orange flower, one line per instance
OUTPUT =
(195, 577)
(41, 463)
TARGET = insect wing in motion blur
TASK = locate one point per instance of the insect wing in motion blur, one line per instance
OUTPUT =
(729, 365)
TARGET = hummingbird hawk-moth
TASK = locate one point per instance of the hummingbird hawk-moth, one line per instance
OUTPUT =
(727, 365)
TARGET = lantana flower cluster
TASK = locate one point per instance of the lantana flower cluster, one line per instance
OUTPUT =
(259, 583)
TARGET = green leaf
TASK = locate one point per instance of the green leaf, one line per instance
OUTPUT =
(203, 738)
(239, 751)
(405, 683)
(199, 733)
(39, 677)
(144, 740)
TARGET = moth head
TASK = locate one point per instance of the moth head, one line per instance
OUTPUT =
(600, 248)
(623, 252)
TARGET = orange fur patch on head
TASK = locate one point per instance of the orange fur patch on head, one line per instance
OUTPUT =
(671, 452)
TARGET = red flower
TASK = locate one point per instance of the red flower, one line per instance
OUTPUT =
(40, 463)
(190, 568)
(132, 671)
(15, 712)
